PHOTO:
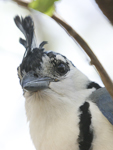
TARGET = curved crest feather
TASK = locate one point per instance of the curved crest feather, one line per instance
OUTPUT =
(26, 26)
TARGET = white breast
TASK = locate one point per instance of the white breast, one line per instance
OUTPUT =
(103, 130)
(54, 122)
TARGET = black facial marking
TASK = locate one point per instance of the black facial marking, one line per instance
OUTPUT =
(93, 84)
(32, 60)
(60, 67)
(86, 134)
(51, 55)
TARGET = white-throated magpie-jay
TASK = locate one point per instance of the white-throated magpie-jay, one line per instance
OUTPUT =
(65, 110)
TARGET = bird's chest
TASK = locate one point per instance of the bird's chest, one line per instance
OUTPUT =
(57, 127)
(55, 132)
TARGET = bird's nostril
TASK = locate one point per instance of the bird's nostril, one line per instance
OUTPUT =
(35, 75)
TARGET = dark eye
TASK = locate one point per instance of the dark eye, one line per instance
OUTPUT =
(61, 68)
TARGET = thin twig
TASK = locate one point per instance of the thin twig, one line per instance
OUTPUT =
(94, 61)
(21, 3)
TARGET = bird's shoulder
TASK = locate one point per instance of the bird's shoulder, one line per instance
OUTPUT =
(104, 101)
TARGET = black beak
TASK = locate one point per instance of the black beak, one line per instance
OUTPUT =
(31, 82)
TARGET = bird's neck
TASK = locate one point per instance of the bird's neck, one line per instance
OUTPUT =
(47, 103)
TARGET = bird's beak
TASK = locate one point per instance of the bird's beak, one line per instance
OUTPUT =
(32, 83)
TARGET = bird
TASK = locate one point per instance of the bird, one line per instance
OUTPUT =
(64, 108)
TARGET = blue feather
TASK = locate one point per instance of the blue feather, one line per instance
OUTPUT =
(104, 102)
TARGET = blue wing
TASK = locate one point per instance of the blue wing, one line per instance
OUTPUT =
(104, 102)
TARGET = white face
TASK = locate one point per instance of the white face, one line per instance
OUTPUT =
(65, 77)
(73, 81)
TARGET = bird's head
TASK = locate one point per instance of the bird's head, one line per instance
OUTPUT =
(42, 69)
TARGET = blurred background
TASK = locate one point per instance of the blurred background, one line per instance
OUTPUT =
(86, 18)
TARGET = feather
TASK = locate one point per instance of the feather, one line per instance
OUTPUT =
(104, 102)
(26, 26)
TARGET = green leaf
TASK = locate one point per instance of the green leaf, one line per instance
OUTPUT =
(44, 6)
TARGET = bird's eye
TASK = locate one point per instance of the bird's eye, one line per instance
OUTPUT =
(61, 68)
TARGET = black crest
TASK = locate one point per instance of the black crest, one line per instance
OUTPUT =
(33, 55)
(26, 26)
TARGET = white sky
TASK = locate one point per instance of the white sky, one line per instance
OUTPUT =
(85, 18)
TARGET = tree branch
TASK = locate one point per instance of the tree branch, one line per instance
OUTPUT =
(94, 61)
(107, 8)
